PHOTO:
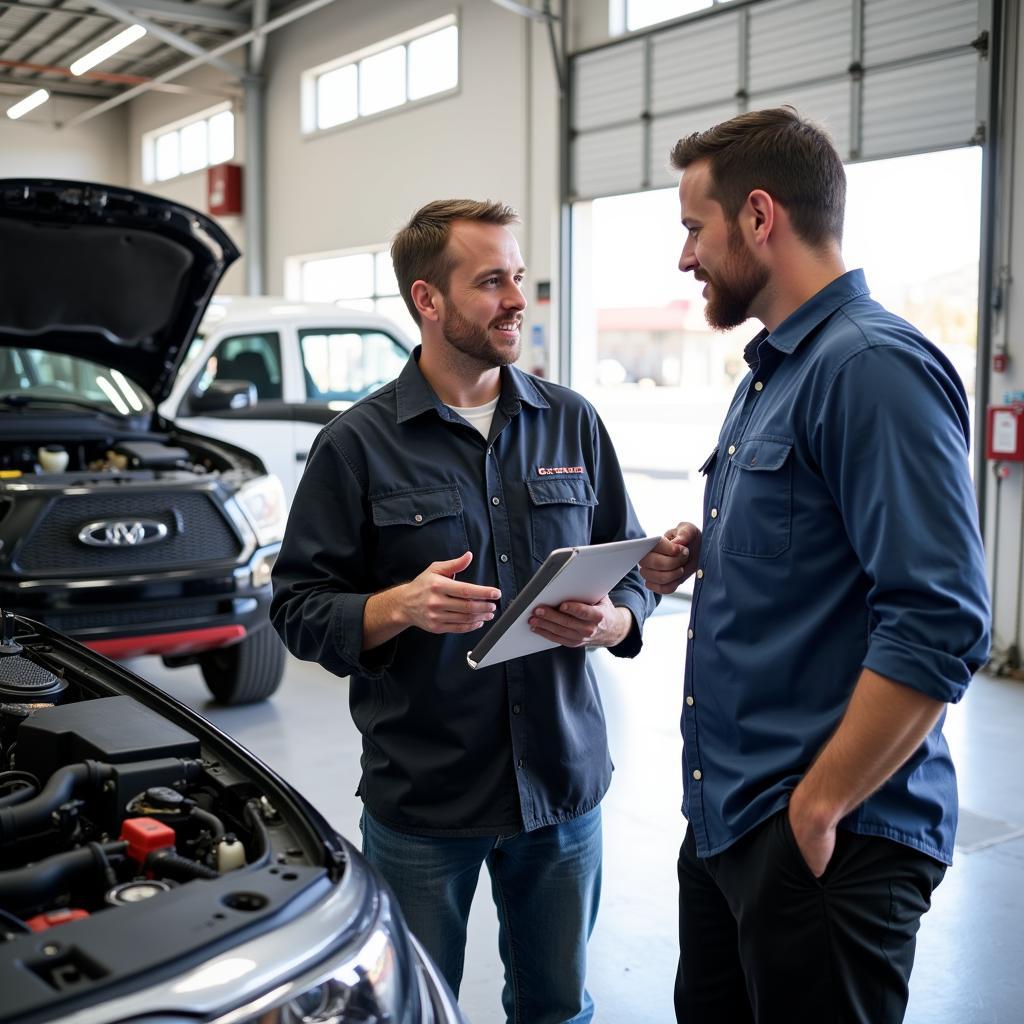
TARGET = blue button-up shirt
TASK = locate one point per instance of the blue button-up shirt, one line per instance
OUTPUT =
(399, 481)
(840, 533)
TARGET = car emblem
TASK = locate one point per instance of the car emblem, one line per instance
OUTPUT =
(121, 533)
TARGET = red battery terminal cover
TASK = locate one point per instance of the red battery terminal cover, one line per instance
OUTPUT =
(144, 835)
(41, 922)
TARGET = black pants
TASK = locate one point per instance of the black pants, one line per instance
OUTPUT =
(761, 939)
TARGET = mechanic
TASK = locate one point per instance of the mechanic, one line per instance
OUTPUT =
(840, 603)
(422, 510)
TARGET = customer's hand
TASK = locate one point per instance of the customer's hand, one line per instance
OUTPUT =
(815, 838)
(672, 560)
(574, 624)
(437, 602)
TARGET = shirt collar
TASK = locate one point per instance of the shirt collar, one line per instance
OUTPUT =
(803, 320)
(415, 396)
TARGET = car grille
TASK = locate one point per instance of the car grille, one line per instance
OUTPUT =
(68, 622)
(197, 533)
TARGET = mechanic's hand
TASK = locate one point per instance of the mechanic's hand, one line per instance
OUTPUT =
(436, 602)
(817, 843)
(574, 624)
(672, 560)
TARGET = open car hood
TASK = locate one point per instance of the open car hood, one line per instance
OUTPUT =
(108, 274)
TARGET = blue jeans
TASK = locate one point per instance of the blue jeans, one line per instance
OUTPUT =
(546, 885)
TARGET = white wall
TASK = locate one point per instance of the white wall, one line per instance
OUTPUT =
(209, 87)
(33, 146)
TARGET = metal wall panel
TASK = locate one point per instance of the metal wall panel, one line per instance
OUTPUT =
(667, 131)
(919, 107)
(828, 104)
(901, 29)
(609, 162)
(797, 41)
(697, 65)
(608, 86)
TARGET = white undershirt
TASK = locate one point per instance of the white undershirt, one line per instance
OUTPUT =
(479, 416)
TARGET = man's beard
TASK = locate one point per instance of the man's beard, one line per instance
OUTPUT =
(474, 341)
(732, 292)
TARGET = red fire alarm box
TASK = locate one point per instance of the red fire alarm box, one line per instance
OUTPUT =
(224, 189)
(1004, 436)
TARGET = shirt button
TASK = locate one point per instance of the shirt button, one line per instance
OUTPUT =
(504, 558)
(696, 774)
(495, 501)
(490, 451)
(732, 449)
(522, 763)
(700, 574)
(714, 513)
(689, 634)
(516, 708)
(689, 702)
(418, 518)
(759, 386)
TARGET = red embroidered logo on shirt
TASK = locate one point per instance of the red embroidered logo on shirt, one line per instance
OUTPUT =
(559, 470)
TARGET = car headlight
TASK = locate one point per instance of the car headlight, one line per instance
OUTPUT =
(263, 503)
(366, 986)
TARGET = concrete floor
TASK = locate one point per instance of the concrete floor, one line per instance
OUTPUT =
(971, 946)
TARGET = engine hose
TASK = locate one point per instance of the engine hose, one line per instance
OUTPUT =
(36, 815)
(42, 883)
(252, 815)
(210, 821)
(167, 864)
(19, 796)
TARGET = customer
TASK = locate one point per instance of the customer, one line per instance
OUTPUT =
(840, 603)
(422, 511)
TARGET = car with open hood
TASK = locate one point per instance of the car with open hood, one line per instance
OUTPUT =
(119, 527)
(154, 871)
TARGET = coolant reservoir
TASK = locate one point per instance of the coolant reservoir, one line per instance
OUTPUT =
(230, 854)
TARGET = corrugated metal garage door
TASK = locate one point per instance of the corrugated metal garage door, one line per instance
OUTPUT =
(885, 77)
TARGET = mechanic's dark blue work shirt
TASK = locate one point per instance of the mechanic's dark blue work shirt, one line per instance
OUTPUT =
(400, 481)
(840, 533)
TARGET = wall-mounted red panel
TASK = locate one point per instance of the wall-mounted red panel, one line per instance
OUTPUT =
(224, 189)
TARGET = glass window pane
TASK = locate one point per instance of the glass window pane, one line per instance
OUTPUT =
(337, 98)
(387, 283)
(222, 137)
(346, 365)
(167, 165)
(648, 12)
(382, 81)
(338, 278)
(193, 147)
(434, 63)
(252, 357)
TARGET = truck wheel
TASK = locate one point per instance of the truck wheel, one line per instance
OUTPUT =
(245, 672)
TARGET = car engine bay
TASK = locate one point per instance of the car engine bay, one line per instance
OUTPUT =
(117, 821)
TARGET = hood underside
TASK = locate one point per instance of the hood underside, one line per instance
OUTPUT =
(108, 274)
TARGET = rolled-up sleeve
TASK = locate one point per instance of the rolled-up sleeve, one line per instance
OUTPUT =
(320, 579)
(892, 438)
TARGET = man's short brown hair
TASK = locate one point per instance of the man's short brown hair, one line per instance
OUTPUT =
(793, 160)
(419, 251)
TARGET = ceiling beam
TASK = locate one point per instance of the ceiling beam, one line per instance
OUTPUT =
(38, 8)
(189, 14)
(299, 10)
(11, 85)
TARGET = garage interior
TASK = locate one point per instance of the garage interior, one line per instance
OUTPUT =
(561, 109)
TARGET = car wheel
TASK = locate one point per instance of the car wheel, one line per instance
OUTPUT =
(245, 672)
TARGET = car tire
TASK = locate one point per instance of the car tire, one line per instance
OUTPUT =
(246, 672)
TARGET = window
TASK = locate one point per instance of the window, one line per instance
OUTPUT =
(414, 66)
(345, 365)
(359, 280)
(249, 357)
(200, 141)
(630, 15)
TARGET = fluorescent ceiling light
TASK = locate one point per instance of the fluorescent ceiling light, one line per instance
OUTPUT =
(108, 49)
(30, 102)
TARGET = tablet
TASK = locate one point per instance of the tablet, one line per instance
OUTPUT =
(568, 574)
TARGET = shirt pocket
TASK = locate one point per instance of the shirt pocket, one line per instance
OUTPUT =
(417, 527)
(561, 513)
(759, 515)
